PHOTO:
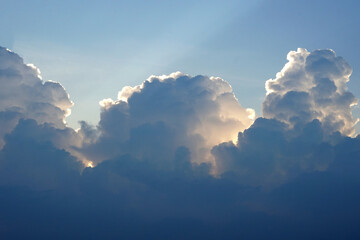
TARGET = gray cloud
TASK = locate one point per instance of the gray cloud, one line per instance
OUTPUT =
(30, 159)
(167, 167)
(269, 153)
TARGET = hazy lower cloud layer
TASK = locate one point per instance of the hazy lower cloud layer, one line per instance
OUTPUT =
(178, 157)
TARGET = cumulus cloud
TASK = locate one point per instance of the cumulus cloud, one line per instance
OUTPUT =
(153, 119)
(269, 153)
(291, 174)
(307, 110)
(312, 85)
(23, 94)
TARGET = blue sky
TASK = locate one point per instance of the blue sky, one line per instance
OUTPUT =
(94, 49)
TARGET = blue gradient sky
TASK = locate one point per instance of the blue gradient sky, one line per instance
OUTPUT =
(95, 48)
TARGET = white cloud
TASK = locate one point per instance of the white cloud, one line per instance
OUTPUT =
(23, 94)
(199, 111)
(306, 109)
(312, 85)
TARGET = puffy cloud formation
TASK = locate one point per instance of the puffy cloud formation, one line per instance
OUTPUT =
(306, 109)
(312, 85)
(292, 174)
(24, 95)
(154, 119)
(269, 153)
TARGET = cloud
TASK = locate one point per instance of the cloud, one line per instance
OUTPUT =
(270, 153)
(23, 94)
(312, 85)
(30, 159)
(153, 119)
(307, 112)
(166, 163)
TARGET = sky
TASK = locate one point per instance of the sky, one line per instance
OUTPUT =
(95, 49)
(179, 120)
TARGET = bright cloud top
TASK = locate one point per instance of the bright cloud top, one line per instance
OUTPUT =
(164, 163)
(195, 112)
(312, 85)
(23, 94)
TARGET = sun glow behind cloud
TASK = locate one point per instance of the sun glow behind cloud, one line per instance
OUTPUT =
(197, 112)
(165, 147)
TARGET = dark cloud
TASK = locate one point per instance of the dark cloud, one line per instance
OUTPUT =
(30, 159)
(270, 153)
(166, 165)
